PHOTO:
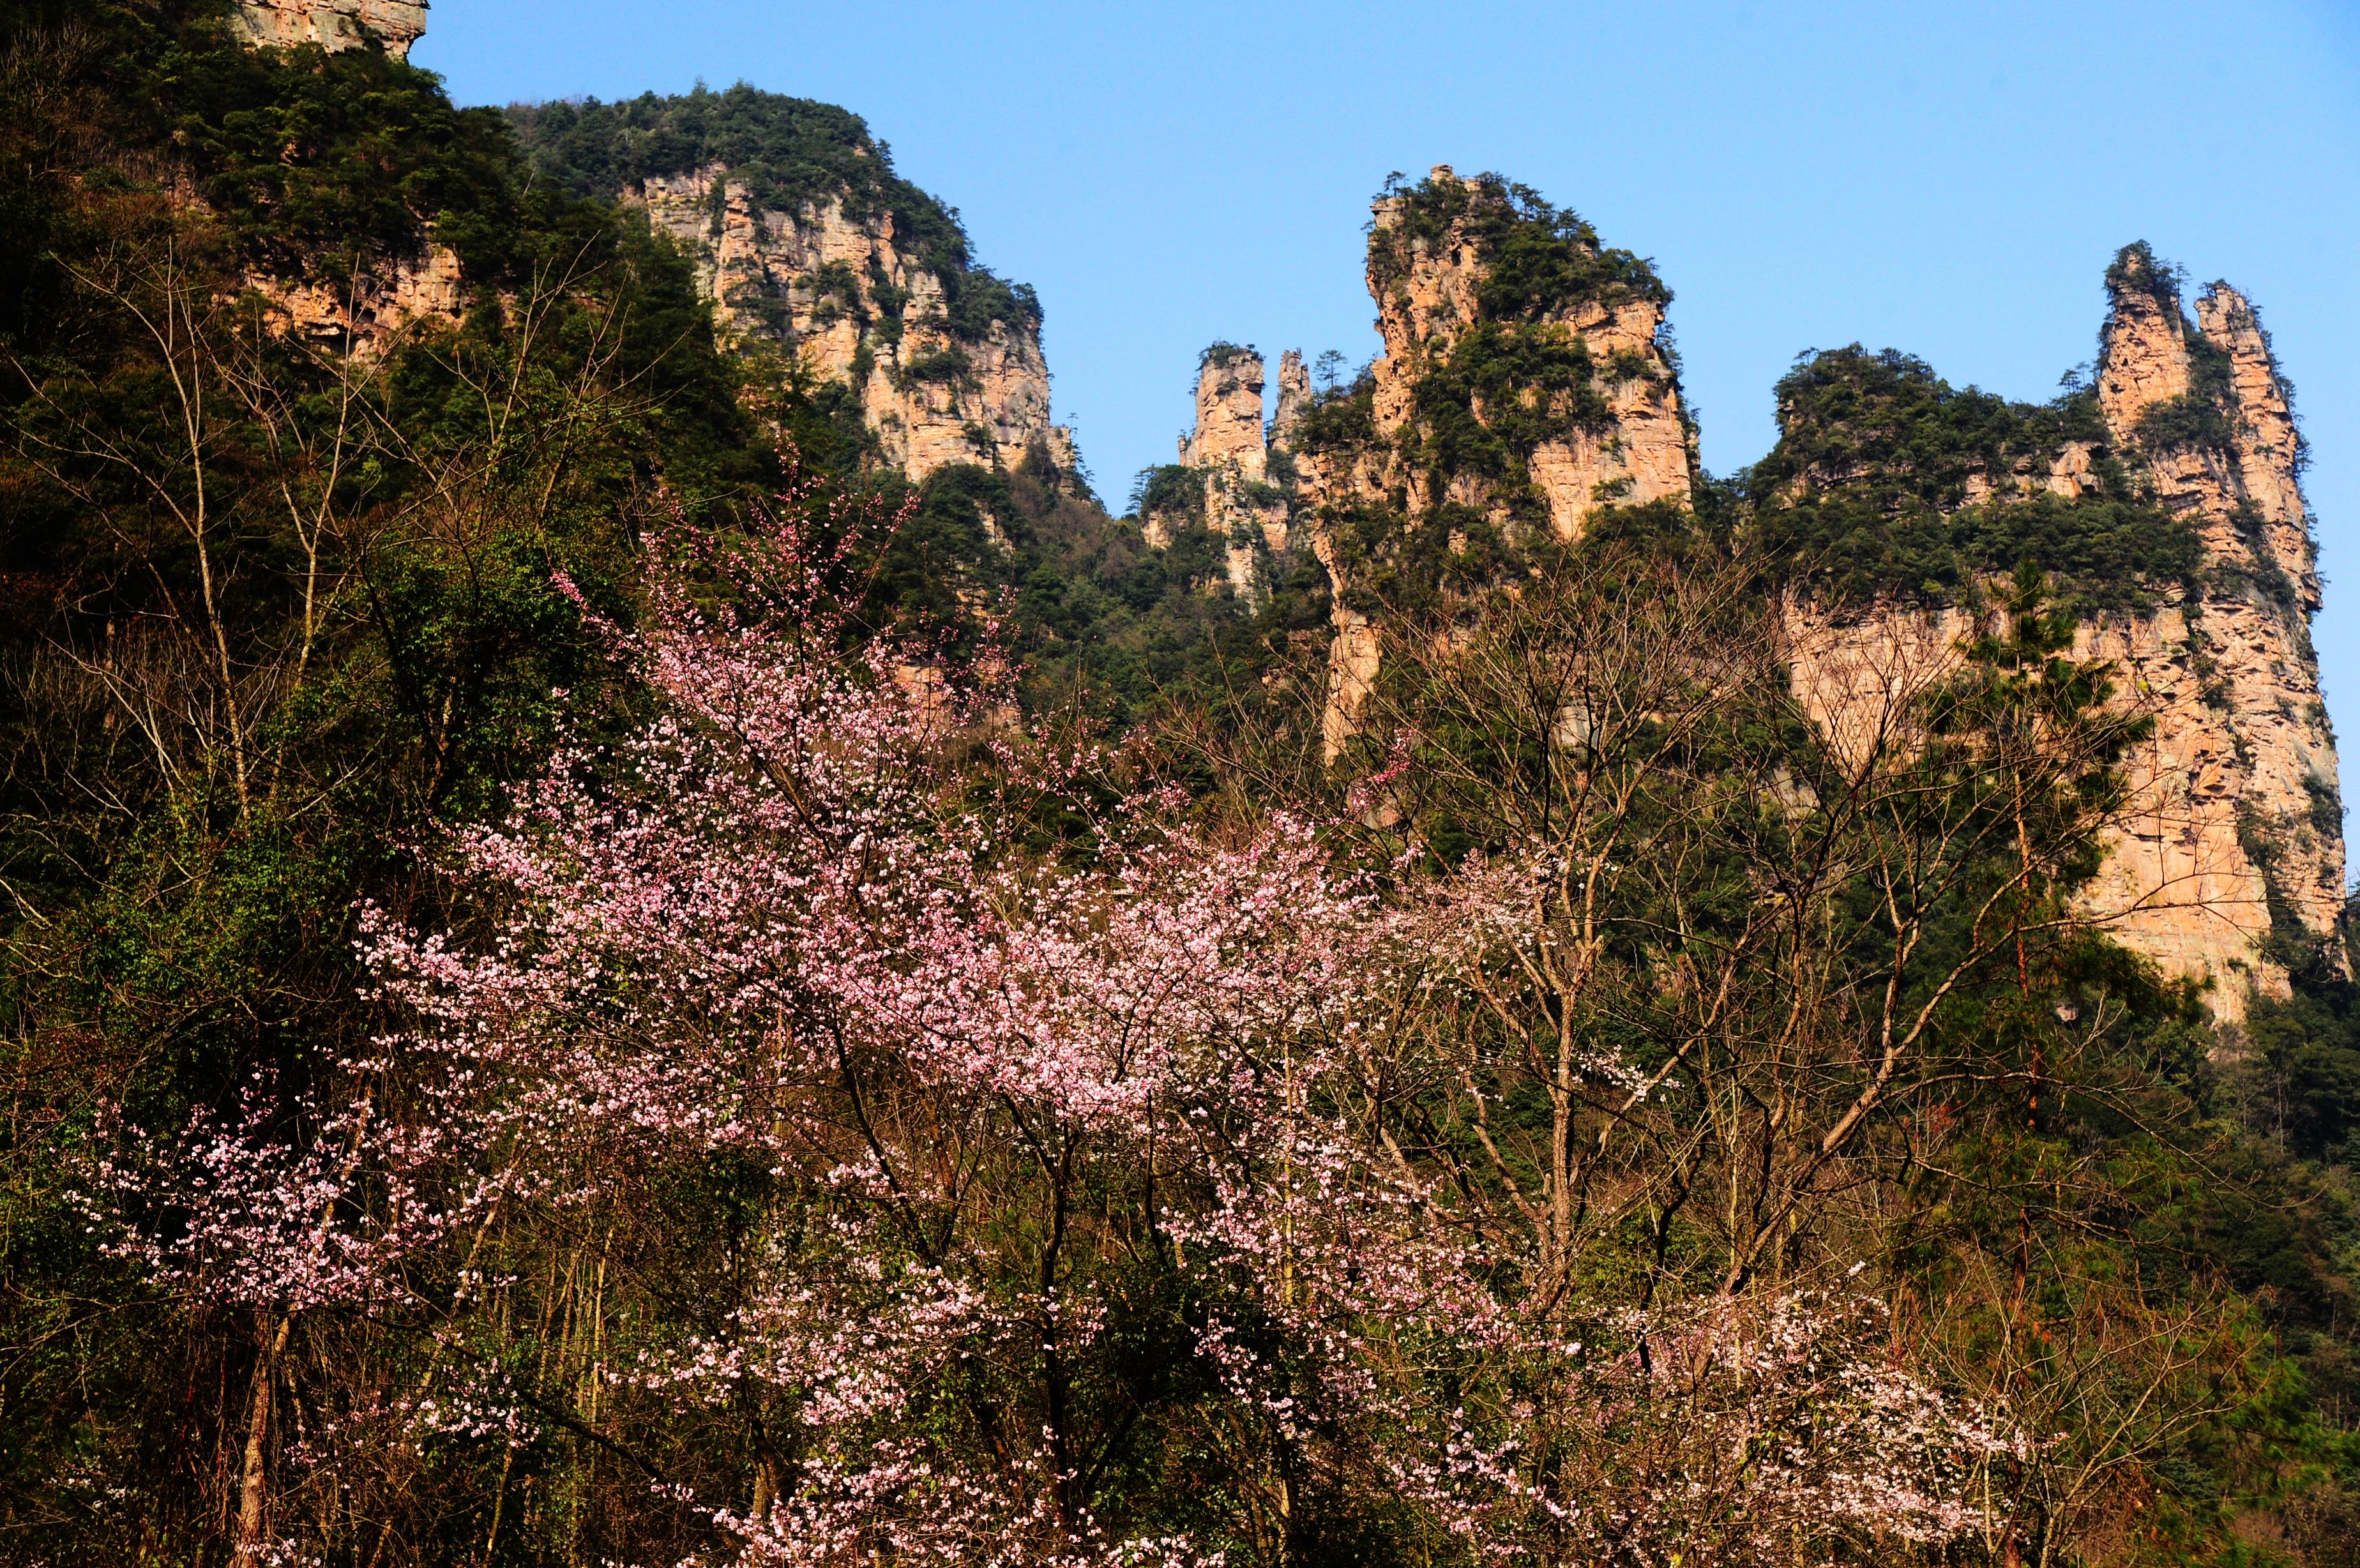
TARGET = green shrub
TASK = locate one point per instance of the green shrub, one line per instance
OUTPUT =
(946, 363)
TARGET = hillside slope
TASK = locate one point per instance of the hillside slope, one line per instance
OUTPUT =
(634, 929)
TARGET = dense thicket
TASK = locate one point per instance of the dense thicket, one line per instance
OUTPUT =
(1888, 484)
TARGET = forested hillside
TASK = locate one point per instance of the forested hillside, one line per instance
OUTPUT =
(591, 972)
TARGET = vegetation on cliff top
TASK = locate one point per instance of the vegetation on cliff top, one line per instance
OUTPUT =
(311, 169)
(1538, 260)
(789, 153)
(1887, 480)
(1519, 374)
(2204, 415)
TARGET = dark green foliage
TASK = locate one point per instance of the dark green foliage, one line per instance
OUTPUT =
(1107, 629)
(2112, 552)
(76, 74)
(789, 152)
(2310, 1051)
(337, 152)
(1846, 414)
(2191, 420)
(172, 925)
(1517, 376)
(950, 363)
(1867, 489)
(1340, 419)
(1172, 490)
(305, 155)
(1541, 261)
(2136, 270)
(1535, 384)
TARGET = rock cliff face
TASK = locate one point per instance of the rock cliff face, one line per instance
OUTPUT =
(1293, 396)
(334, 24)
(839, 295)
(2229, 864)
(387, 293)
(2164, 498)
(1498, 407)
(1431, 289)
(361, 317)
(1227, 454)
(1229, 412)
(2241, 836)
(941, 361)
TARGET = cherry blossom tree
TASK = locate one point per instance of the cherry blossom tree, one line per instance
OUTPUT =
(1063, 1224)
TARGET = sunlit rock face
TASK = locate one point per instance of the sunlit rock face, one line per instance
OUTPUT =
(1229, 412)
(840, 298)
(334, 24)
(1619, 437)
(2241, 779)
(362, 313)
(2233, 840)
(1428, 288)
(2227, 863)
(1293, 397)
(1244, 505)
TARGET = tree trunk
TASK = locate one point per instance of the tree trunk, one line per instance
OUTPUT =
(254, 1488)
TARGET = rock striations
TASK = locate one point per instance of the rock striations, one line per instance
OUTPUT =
(849, 305)
(363, 312)
(1229, 412)
(1526, 384)
(1293, 396)
(2228, 866)
(1619, 437)
(1234, 471)
(2239, 839)
(940, 373)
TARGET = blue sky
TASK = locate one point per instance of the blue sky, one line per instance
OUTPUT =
(1945, 177)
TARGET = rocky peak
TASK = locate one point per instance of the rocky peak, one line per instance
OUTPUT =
(2242, 863)
(2143, 359)
(824, 266)
(1599, 424)
(333, 25)
(1510, 400)
(1424, 283)
(1227, 489)
(1293, 397)
(1228, 411)
(2228, 863)
(837, 292)
(2268, 446)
